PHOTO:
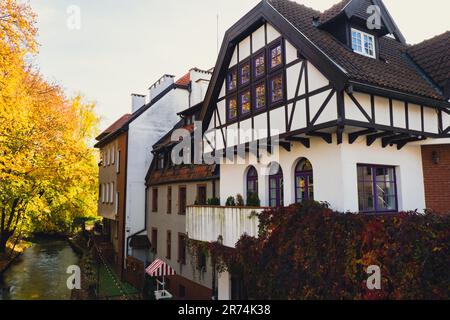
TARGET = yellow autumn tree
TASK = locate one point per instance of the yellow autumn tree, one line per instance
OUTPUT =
(48, 171)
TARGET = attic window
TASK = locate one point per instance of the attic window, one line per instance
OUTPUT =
(363, 43)
(160, 162)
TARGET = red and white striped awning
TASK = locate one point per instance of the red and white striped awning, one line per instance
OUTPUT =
(160, 269)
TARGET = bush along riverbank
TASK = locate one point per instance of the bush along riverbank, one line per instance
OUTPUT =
(82, 246)
(13, 252)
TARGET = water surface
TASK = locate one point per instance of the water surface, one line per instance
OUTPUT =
(40, 273)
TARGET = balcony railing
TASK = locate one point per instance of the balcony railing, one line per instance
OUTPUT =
(207, 224)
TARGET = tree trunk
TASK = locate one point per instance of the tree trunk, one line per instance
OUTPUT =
(3, 241)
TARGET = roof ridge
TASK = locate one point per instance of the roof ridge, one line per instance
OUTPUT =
(113, 127)
(300, 4)
(434, 38)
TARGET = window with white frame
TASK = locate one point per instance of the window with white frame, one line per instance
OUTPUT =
(111, 195)
(363, 43)
(107, 157)
(113, 155)
(106, 193)
(118, 162)
(117, 203)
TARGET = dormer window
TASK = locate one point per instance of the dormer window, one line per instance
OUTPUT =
(363, 43)
(160, 161)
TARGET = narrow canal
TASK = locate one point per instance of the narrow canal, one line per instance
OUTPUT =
(40, 273)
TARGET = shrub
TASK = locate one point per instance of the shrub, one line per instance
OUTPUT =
(230, 202)
(308, 251)
(213, 202)
(253, 200)
(240, 200)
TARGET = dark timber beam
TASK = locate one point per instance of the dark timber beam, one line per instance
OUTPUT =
(402, 143)
(392, 139)
(327, 137)
(352, 137)
(373, 137)
(304, 141)
(340, 134)
(286, 145)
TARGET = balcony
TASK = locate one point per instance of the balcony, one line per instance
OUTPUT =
(207, 224)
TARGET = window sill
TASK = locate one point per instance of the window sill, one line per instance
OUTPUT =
(379, 213)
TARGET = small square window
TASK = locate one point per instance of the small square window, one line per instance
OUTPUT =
(363, 43)
(244, 73)
(260, 65)
(260, 96)
(276, 56)
(245, 102)
(276, 89)
(232, 108)
(232, 80)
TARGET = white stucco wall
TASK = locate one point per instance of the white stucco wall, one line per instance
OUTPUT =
(335, 173)
(143, 133)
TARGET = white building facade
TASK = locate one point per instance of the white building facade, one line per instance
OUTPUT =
(149, 123)
(343, 119)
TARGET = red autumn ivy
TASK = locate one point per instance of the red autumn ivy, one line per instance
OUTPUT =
(308, 251)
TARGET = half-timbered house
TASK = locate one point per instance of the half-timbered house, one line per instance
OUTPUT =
(347, 101)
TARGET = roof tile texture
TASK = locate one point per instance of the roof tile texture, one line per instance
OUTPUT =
(392, 71)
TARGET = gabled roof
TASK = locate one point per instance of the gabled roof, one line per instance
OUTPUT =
(112, 129)
(359, 8)
(184, 80)
(433, 57)
(392, 71)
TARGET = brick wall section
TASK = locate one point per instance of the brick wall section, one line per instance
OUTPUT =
(437, 178)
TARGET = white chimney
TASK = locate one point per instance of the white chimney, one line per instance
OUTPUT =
(159, 86)
(200, 81)
(137, 101)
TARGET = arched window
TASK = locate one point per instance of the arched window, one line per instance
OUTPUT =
(276, 186)
(252, 181)
(304, 181)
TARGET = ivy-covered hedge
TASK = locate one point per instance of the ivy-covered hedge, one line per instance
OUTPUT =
(310, 252)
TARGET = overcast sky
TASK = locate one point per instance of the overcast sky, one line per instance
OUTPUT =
(123, 46)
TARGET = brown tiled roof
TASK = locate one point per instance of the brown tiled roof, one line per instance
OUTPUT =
(114, 127)
(333, 11)
(182, 173)
(184, 80)
(433, 56)
(392, 71)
